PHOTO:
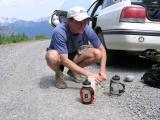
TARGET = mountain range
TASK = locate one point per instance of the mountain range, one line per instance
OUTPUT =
(10, 26)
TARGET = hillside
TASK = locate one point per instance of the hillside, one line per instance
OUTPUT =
(4, 31)
(30, 28)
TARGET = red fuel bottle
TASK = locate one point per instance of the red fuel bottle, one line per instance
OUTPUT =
(87, 92)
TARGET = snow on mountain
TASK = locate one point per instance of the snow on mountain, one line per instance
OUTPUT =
(4, 21)
(31, 28)
(43, 19)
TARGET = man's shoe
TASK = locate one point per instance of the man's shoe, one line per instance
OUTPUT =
(75, 76)
(59, 83)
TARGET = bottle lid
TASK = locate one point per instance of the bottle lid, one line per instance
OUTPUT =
(116, 77)
(86, 83)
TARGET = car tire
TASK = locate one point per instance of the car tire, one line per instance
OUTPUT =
(109, 53)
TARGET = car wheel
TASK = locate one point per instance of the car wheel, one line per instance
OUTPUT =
(109, 53)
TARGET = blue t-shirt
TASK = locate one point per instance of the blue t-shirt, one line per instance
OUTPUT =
(66, 42)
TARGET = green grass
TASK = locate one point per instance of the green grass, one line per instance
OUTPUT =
(40, 37)
(13, 38)
(19, 38)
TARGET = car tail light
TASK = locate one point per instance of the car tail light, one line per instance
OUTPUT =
(133, 14)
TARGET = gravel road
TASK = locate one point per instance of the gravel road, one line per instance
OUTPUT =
(27, 90)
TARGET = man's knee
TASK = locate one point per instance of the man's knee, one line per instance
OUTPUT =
(52, 56)
(97, 54)
(93, 53)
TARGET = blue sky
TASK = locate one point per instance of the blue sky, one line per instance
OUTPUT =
(35, 9)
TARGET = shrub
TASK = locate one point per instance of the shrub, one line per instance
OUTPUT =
(13, 38)
(40, 37)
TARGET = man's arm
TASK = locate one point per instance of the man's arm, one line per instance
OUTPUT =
(102, 70)
(92, 36)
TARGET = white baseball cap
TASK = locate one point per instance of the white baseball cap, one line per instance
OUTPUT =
(78, 13)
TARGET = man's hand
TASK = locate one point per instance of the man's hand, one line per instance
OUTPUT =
(101, 76)
(98, 78)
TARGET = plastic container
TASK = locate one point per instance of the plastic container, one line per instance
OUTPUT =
(86, 92)
(116, 87)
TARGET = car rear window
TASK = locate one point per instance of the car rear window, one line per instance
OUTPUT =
(107, 3)
(154, 2)
(137, 1)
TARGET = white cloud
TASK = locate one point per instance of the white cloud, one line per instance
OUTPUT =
(33, 9)
(4, 3)
(8, 2)
(28, 9)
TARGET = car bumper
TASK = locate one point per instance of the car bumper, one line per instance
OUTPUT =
(132, 40)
